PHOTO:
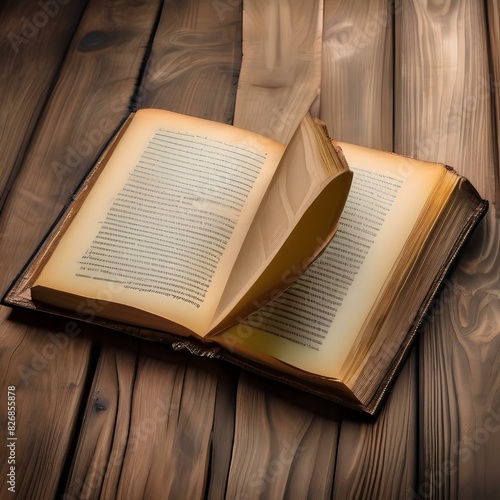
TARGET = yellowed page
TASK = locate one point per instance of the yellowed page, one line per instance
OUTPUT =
(304, 172)
(163, 224)
(313, 324)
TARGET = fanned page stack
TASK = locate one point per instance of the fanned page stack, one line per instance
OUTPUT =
(284, 260)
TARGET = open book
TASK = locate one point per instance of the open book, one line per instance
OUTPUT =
(220, 241)
(189, 222)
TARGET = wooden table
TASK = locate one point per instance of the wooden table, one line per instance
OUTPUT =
(100, 415)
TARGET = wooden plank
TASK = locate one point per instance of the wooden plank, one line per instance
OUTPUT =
(281, 68)
(34, 41)
(174, 451)
(460, 387)
(193, 69)
(97, 462)
(144, 429)
(444, 113)
(284, 446)
(183, 441)
(357, 72)
(284, 443)
(375, 458)
(147, 426)
(223, 431)
(90, 98)
(195, 60)
(443, 95)
(379, 458)
(493, 22)
(46, 363)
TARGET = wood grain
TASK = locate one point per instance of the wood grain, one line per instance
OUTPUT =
(442, 93)
(138, 437)
(444, 112)
(170, 409)
(160, 423)
(223, 431)
(493, 23)
(33, 45)
(281, 69)
(47, 363)
(375, 459)
(195, 59)
(101, 70)
(173, 420)
(97, 463)
(379, 458)
(67, 140)
(357, 72)
(283, 448)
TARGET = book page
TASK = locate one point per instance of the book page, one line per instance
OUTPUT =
(314, 323)
(308, 179)
(166, 217)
